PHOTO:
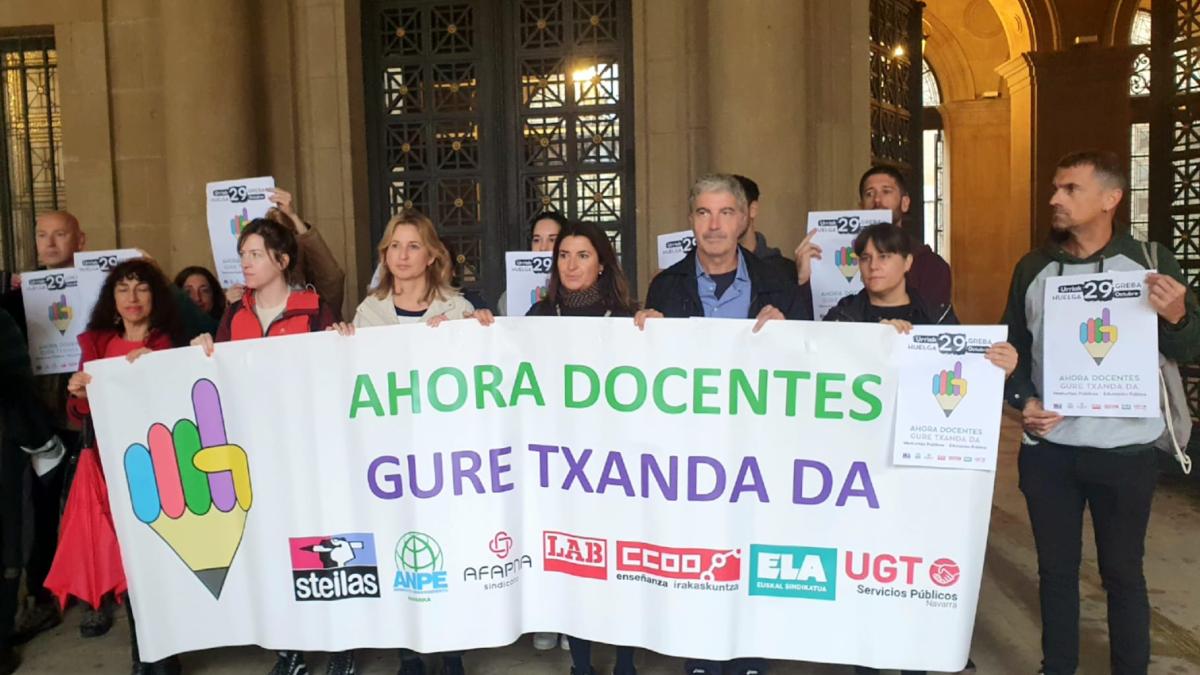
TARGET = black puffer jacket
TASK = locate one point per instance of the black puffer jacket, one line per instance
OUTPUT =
(857, 308)
(674, 291)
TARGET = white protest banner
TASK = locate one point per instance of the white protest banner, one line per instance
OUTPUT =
(1101, 346)
(526, 276)
(948, 407)
(835, 275)
(53, 319)
(232, 204)
(674, 246)
(92, 268)
(696, 489)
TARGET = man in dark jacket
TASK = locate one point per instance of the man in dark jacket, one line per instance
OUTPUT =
(754, 240)
(720, 279)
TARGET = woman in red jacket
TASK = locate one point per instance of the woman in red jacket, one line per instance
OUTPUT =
(136, 313)
(270, 307)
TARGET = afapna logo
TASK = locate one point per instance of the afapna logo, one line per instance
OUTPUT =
(334, 567)
(503, 574)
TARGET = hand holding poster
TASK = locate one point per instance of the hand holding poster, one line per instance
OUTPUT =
(93, 267)
(674, 246)
(53, 319)
(527, 275)
(323, 505)
(835, 274)
(232, 204)
(948, 407)
(1101, 353)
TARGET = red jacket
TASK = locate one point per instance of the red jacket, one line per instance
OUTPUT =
(303, 313)
(94, 345)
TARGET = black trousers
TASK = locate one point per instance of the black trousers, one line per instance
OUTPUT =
(1058, 482)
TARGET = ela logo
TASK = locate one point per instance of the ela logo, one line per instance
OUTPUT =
(793, 572)
(420, 566)
(334, 567)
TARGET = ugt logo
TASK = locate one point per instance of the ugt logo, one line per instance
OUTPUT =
(420, 566)
(192, 487)
(793, 572)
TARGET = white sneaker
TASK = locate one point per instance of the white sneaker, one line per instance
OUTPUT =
(544, 641)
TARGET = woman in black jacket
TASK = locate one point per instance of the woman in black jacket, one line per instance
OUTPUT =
(884, 256)
(585, 277)
(586, 280)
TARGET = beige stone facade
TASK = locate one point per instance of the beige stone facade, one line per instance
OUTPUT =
(161, 96)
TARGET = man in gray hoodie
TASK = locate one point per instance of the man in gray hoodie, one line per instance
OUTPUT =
(1106, 464)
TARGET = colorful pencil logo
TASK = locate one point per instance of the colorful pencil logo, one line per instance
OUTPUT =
(61, 314)
(847, 262)
(239, 221)
(175, 483)
(1098, 335)
(949, 388)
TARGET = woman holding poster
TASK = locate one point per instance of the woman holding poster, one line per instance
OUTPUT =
(136, 313)
(885, 255)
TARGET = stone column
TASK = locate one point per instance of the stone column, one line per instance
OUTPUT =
(757, 103)
(1062, 102)
(208, 106)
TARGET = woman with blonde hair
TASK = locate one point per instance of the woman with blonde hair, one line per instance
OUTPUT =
(414, 281)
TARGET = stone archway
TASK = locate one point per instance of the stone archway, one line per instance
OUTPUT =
(1029, 25)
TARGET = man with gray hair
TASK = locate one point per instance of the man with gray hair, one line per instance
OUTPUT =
(719, 278)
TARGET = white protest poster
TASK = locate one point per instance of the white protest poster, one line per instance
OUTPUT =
(539, 474)
(92, 267)
(232, 204)
(835, 274)
(1100, 337)
(53, 319)
(527, 275)
(674, 246)
(950, 399)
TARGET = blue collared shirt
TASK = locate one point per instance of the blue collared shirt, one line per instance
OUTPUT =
(734, 303)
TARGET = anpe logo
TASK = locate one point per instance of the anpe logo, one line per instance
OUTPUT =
(334, 567)
(944, 572)
(793, 572)
(575, 555)
(420, 566)
(701, 564)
